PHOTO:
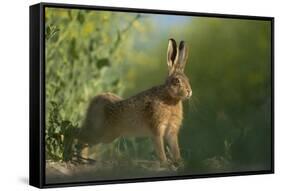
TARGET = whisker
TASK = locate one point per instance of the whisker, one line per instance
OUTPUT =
(192, 106)
(193, 103)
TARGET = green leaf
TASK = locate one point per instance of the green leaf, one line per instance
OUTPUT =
(103, 62)
(81, 18)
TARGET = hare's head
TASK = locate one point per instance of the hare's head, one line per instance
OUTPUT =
(177, 82)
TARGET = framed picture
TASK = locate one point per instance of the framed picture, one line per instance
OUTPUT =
(123, 95)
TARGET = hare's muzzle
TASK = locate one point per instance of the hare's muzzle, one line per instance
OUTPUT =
(188, 94)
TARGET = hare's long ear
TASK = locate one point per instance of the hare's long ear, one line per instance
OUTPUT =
(182, 56)
(171, 55)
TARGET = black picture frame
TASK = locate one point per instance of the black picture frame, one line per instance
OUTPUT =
(37, 94)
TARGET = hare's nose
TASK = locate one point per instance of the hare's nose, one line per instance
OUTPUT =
(189, 93)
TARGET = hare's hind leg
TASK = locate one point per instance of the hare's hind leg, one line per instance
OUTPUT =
(82, 150)
(85, 152)
(83, 155)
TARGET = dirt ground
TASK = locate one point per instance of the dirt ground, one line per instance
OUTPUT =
(60, 172)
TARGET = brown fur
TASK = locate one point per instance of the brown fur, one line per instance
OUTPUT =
(155, 113)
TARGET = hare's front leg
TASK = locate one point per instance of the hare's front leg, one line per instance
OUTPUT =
(158, 139)
(172, 140)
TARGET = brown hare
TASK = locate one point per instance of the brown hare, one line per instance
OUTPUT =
(156, 112)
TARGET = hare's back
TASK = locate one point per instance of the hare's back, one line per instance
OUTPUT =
(98, 104)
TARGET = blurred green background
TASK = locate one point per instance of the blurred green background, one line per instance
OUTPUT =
(227, 122)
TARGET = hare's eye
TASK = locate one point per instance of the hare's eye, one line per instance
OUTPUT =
(175, 81)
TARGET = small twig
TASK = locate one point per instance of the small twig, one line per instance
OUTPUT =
(86, 159)
(122, 32)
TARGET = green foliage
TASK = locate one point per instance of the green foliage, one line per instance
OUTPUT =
(59, 136)
(81, 62)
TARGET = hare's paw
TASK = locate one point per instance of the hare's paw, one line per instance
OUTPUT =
(177, 165)
(163, 165)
